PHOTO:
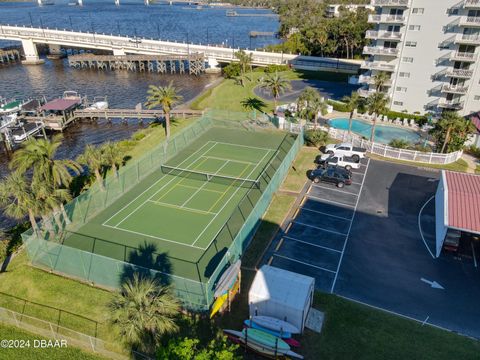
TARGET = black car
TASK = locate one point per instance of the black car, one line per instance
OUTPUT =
(334, 175)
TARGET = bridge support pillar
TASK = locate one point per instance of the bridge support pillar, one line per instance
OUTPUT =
(212, 66)
(119, 52)
(31, 53)
(55, 52)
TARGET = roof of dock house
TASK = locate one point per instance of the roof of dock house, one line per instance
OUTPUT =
(60, 104)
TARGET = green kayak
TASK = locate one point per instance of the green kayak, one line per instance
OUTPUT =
(264, 338)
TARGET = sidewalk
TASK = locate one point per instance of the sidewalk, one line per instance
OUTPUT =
(472, 163)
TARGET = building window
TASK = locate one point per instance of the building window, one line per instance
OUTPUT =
(404, 74)
(414, 27)
(398, 103)
(411, 43)
(401, 89)
(407, 59)
(418, 11)
(476, 98)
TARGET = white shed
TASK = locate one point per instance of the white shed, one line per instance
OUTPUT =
(281, 294)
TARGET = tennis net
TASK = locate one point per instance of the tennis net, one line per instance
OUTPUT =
(210, 177)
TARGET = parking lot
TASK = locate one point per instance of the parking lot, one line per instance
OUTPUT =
(368, 242)
(314, 241)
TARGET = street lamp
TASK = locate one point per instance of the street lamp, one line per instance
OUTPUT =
(31, 20)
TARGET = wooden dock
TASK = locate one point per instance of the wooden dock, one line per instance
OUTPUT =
(60, 123)
(9, 56)
(261, 33)
(233, 13)
(193, 63)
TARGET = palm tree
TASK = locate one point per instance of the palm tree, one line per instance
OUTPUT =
(51, 200)
(277, 85)
(112, 155)
(143, 311)
(310, 103)
(376, 104)
(351, 103)
(245, 60)
(452, 131)
(38, 155)
(380, 79)
(166, 97)
(253, 104)
(92, 157)
(18, 200)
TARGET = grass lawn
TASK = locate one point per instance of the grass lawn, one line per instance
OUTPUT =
(228, 95)
(297, 174)
(477, 170)
(30, 353)
(460, 165)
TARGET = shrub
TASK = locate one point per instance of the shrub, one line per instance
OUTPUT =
(399, 143)
(275, 68)
(473, 150)
(232, 70)
(338, 106)
(316, 138)
(139, 135)
(3, 250)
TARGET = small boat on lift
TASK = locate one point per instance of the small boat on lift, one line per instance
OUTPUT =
(10, 106)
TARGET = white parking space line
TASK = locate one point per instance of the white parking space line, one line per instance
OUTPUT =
(304, 263)
(348, 232)
(330, 201)
(319, 228)
(333, 189)
(356, 183)
(474, 255)
(326, 214)
(420, 226)
(316, 245)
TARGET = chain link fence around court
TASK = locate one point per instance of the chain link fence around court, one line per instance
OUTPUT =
(46, 250)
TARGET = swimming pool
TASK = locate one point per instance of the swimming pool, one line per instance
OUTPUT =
(383, 133)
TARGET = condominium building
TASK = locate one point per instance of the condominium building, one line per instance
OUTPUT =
(428, 50)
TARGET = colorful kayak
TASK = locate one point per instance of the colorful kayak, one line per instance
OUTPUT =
(217, 305)
(227, 279)
(264, 338)
(275, 324)
(284, 335)
(265, 350)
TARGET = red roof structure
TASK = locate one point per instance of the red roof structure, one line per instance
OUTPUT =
(60, 104)
(476, 121)
(462, 201)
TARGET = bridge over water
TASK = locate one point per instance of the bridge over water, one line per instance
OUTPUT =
(123, 45)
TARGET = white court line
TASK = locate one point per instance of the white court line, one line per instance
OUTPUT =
(205, 183)
(420, 225)
(245, 146)
(302, 262)
(154, 237)
(349, 229)
(195, 188)
(319, 228)
(330, 201)
(182, 207)
(155, 183)
(306, 242)
(155, 193)
(220, 158)
(326, 214)
(474, 255)
(228, 201)
(341, 191)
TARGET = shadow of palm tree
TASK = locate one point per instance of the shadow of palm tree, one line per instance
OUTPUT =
(146, 262)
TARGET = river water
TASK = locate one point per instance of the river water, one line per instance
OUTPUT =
(123, 89)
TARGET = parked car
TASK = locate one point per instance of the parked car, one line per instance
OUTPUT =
(347, 162)
(335, 175)
(346, 149)
(452, 240)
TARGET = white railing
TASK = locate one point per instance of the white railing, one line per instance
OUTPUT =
(377, 148)
(378, 50)
(463, 73)
(471, 3)
(125, 43)
(470, 20)
(390, 2)
(397, 19)
(468, 38)
(378, 65)
(465, 56)
(392, 35)
(455, 89)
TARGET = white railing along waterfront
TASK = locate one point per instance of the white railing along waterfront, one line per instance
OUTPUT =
(377, 148)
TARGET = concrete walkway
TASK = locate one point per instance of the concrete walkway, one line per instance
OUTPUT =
(472, 163)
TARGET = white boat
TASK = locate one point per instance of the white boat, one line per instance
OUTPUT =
(227, 279)
(10, 107)
(99, 103)
(7, 120)
(275, 324)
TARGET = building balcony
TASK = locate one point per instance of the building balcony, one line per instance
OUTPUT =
(366, 92)
(468, 39)
(454, 104)
(379, 50)
(459, 73)
(366, 79)
(471, 4)
(384, 35)
(379, 65)
(394, 3)
(386, 19)
(463, 56)
(470, 21)
(454, 89)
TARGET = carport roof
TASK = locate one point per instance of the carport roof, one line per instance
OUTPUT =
(462, 201)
